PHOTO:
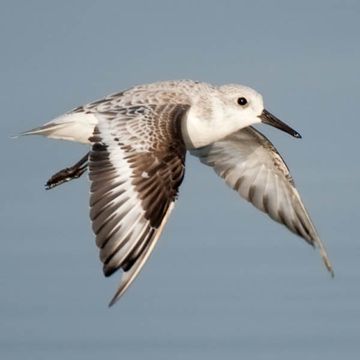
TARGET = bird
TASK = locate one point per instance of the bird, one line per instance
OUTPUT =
(138, 140)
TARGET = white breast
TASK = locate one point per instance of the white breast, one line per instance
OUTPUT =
(201, 128)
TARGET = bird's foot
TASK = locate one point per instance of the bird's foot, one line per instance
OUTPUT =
(67, 174)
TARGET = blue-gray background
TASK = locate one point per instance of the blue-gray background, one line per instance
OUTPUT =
(224, 281)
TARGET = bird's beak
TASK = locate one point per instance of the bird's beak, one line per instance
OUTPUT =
(270, 119)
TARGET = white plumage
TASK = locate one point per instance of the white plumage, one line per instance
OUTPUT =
(139, 139)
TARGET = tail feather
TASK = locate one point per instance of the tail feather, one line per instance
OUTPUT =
(73, 127)
(45, 130)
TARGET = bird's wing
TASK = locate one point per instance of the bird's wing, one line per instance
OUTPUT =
(251, 165)
(136, 165)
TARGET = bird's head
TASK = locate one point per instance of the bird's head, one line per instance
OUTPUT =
(246, 106)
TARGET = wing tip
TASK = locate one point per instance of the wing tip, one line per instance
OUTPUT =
(114, 299)
(124, 284)
(328, 265)
(325, 258)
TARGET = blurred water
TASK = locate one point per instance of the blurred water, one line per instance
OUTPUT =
(224, 281)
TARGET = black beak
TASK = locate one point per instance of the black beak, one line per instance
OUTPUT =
(270, 119)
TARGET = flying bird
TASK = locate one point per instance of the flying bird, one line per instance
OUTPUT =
(138, 142)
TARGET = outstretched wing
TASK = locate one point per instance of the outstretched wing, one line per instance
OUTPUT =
(251, 165)
(136, 166)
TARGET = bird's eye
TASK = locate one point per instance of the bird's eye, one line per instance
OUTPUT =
(242, 101)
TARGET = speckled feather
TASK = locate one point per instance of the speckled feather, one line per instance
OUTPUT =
(139, 138)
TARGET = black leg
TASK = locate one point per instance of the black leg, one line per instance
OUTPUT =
(67, 174)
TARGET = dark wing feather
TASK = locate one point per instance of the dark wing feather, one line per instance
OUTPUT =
(136, 166)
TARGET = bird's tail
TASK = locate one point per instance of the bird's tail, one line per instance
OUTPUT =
(73, 127)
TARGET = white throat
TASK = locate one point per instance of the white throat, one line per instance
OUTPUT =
(205, 127)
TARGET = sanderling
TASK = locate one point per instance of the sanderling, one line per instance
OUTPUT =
(138, 141)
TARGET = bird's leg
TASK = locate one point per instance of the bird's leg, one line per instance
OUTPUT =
(67, 174)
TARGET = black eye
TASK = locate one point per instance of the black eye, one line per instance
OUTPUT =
(242, 101)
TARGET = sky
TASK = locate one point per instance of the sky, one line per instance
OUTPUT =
(224, 280)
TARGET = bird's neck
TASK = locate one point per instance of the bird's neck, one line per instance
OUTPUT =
(201, 127)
